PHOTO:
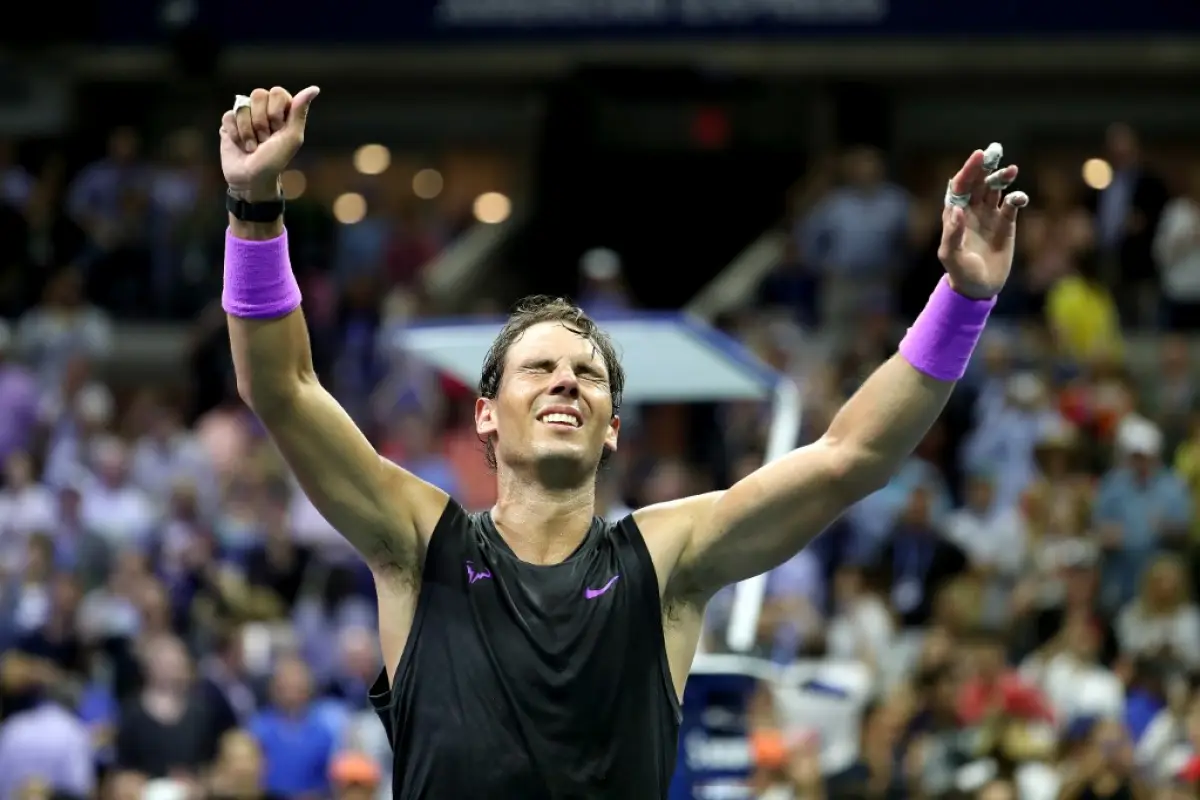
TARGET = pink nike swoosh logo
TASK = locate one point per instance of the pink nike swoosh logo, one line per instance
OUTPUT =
(592, 594)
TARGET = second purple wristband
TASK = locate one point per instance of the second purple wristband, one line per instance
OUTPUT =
(943, 337)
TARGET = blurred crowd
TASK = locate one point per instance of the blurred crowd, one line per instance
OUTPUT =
(177, 621)
(1020, 597)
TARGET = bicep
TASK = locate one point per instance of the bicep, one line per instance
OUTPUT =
(764, 519)
(376, 505)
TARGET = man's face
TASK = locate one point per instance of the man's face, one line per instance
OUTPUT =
(554, 405)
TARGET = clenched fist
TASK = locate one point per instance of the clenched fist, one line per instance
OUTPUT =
(260, 138)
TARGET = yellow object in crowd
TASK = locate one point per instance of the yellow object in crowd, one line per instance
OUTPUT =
(1084, 319)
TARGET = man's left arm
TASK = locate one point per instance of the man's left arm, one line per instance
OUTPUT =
(767, 517)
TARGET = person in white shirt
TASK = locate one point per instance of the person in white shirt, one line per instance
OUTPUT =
(114, 508)
(861, 627)
(1177, 255)
(993, 536)
(26, 507)
(1069, 673)
(169, 454)
(1162, 618)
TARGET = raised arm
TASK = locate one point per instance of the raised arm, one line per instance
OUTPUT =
(767, 517)
(384, 511)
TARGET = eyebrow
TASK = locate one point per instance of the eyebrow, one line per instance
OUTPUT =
(581, 366)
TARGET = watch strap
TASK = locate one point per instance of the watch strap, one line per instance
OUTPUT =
(246, 211)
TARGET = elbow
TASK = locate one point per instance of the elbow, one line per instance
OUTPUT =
(857, 472)
(268, 397)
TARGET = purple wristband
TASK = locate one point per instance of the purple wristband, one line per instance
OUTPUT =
(941, 341)
(259, 283)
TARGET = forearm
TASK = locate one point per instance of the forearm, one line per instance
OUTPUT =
(888, 416)
(272, 360)
(886, 419)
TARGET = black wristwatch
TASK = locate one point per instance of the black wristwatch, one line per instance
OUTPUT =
(253, 212)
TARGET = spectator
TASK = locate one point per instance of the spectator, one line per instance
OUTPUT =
(1173, 393)
(225, 677)
(354, 777)
(28, 601)
(278, 565)
(1127, 213)
(167, 454)
(855, 238)
(113, 506)
(1082, 314)
(167, 729)
(1068, 671)
(992, 536)
(1162, 621)
(1140, 506)
(917, 562)
(1101, 764)
(77, 432)
(1005, 444)
(43, 239)
(62, 327)
(295, 741)
(26, 506)
(238, 771)
(18, 401)
(861, 627)
(1177, 254)
(994, 687)
(359, 667)
(16, 184)
(47, 743)
(1052, 237)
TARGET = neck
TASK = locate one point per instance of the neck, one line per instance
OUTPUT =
(542, 525)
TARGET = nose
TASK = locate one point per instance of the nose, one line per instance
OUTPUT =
(565, 383)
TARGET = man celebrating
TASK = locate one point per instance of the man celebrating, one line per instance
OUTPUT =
(534, 651)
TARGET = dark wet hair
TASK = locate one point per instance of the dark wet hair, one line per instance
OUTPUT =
(534, 311)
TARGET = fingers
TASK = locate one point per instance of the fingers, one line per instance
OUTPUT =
(958, 192)
(1012, 204)
(259, 116)
(245, 128)
(278, 102)
(995, 184)
(954, 229)
(254, 118)
(300, 106)
(981, 181)
(229, 127)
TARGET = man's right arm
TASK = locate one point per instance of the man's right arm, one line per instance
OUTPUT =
(384, 511)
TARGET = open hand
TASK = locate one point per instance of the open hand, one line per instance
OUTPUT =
(979, 224)
(259, 139)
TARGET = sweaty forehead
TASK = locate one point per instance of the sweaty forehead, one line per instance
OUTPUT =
(553, 341)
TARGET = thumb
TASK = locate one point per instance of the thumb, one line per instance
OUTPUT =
(298, 113)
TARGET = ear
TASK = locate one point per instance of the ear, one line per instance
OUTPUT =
(485, 417)
(610, 435)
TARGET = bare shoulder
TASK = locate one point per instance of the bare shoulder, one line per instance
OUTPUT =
(668, 528)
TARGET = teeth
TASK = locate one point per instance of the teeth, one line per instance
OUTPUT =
(563, 418)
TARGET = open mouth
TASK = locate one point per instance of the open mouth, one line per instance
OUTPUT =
(561, 418)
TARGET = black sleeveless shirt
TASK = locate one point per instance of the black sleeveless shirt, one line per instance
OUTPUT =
(529, 682)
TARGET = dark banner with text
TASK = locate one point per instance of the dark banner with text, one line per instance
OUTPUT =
(385, 21)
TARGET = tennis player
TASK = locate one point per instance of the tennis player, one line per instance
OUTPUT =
(535, 651)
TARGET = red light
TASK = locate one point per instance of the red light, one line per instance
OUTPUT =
(710, 128)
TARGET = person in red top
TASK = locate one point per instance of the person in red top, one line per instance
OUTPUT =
(995, 688)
